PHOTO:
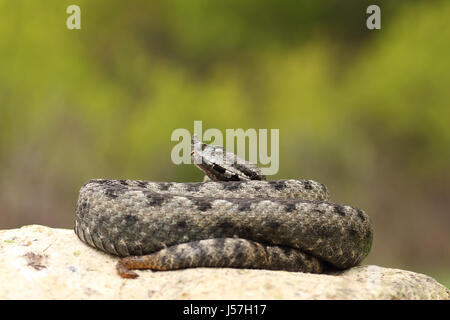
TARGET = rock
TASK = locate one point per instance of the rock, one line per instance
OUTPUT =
(38, 262)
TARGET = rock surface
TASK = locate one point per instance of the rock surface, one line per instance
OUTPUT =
(38, 262)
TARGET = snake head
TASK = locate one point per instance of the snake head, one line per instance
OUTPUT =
(221, 165)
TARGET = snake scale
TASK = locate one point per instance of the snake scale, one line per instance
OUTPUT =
(239, 220)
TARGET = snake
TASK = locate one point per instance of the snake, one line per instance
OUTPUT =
(235, 218)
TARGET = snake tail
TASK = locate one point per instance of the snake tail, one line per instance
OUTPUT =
(220, 253)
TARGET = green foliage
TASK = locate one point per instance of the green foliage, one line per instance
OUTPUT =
(357, 110)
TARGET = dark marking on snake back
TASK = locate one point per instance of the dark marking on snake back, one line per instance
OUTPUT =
(164, 186)
(182, 224)
(232, 185)
(289, 207)
(110, 193)
(130, 219)
(220, 243)
(244, 206)
(83, 209)
(353, 232)
(202, 204)
(142, 184)
(193, 187)
(274, 224)
(99, 181)
(323, 231)
(278, 185)
(225, 225)
(361, 215)
(339, 210)
(238, 251)
(154, 199)
(307, 185)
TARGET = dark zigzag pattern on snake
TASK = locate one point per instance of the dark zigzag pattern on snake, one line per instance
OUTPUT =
(281, 225)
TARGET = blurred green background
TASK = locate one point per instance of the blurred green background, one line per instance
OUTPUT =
(365, 112)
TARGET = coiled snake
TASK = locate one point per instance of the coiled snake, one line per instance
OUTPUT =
(240, 221)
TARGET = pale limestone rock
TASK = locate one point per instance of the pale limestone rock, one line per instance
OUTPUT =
(38, 262)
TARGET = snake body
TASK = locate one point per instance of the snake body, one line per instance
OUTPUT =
(279, 225)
